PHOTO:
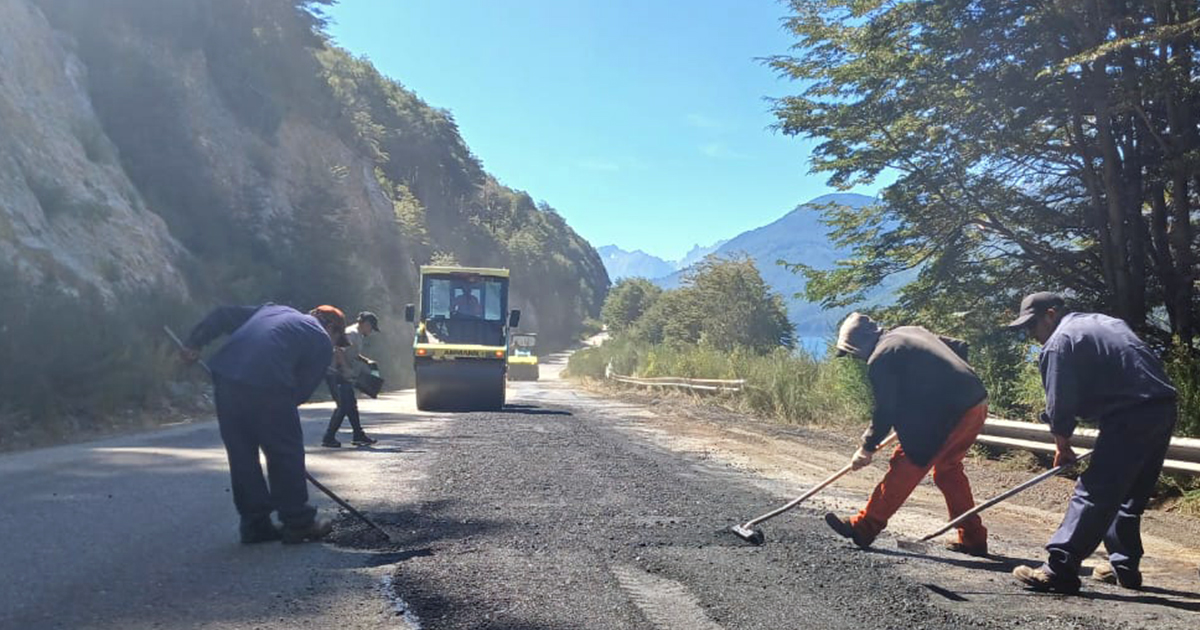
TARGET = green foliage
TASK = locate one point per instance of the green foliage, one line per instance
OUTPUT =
(723, 323)
(61, 371)
(723, 304)
(1036, 147)
(1018, 167)
(627, 301)
(591, 326)
(446, 203)
(289, 230)
(1184, 370)
(444, 259)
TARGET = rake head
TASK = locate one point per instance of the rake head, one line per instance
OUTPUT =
(752, 536)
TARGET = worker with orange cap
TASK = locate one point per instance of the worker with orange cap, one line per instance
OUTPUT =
(272, 362)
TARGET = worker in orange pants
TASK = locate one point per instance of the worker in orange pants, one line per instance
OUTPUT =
(903, 475)
(924, 390)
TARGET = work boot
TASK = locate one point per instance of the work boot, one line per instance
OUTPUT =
(259, 532)
(363, 440)
(979, 551)
(1109, 574)
(331, 442)
(1043, 581)
(844, 529)
(314, 531)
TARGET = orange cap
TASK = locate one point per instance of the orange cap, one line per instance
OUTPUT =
(333, 319)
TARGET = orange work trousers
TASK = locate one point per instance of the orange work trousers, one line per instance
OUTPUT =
(903, 476)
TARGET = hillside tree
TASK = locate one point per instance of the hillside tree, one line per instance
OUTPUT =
(1034, 146)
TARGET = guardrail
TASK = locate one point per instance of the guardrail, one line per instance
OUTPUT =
(1183, 456)
(694, 384)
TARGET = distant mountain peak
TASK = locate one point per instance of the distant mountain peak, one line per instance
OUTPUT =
(799, 236)
(621, 263)
(697, 253)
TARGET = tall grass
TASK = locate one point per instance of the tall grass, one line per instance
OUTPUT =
(784, 385)
(795, 387)
(1184, 370)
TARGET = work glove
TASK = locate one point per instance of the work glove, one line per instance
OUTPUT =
(862, 457)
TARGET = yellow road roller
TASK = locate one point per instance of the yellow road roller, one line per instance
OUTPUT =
(460, 353)
(522, 362)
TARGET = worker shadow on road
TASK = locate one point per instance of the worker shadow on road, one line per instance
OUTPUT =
(993, 562)
(1152, 596)
(412, 527)
(534, 410)
(386, 441)
(462, 607)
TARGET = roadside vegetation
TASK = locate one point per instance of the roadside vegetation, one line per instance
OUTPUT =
(789, 384)
(723, 323)
(1033, 147)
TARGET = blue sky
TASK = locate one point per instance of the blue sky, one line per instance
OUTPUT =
(644, 123)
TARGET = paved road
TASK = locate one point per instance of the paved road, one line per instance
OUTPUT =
(556, 513)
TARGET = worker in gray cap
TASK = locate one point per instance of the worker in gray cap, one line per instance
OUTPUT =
(348, 365)
(924, 390)
(1094, 367)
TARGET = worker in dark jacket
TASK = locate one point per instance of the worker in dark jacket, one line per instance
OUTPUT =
(272, 362)
(925, 391)
(1094, 367)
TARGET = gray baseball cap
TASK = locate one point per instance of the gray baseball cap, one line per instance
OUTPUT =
(371, 318)
(1035, 304)
(858, 336)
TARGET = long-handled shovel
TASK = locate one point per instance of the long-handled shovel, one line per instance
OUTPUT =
(920, 546)
(746, 530)
(316, 484)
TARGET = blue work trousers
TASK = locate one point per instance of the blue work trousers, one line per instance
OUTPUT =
(1112, 493)
(250, 419)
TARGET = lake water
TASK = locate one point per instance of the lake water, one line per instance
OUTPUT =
(816, 346)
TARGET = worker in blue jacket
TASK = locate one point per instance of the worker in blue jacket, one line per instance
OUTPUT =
(1094, 367)
(272, 362)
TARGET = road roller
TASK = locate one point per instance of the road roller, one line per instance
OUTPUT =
(522, 361)
(460, 353)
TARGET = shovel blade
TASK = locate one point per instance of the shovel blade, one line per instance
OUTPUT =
(752, 536)
(915, 546)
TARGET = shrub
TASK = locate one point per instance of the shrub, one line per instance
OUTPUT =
(1184, 369)
(78, 358)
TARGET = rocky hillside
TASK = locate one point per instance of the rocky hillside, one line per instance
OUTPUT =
(164, 156)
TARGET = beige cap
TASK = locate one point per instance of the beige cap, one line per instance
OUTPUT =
(858, 336)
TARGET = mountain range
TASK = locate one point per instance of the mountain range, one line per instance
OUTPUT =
(797, 237)
(638, 264)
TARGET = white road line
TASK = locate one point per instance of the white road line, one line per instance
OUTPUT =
(405, 612)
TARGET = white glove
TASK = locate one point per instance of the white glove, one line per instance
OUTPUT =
(861, 458)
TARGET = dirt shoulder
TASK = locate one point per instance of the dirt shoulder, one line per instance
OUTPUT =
(787, 457)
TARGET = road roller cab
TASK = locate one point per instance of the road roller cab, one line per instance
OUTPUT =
(461, 348)
(522, 361)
